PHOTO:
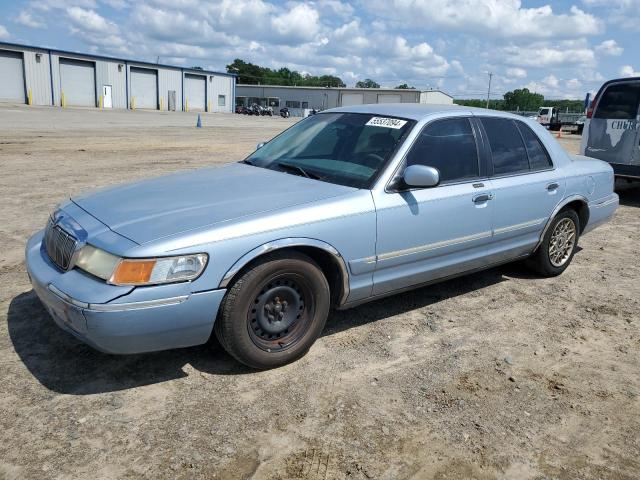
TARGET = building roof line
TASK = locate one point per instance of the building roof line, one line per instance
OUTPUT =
(117, 59)
(302, 87)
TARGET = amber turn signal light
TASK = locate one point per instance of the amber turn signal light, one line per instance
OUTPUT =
(133, 272)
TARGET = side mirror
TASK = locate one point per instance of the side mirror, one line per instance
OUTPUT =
(421, 176)
(260, 145)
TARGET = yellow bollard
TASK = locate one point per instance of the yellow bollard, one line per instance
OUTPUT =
(209, 106)
(186, 105)
(30, 97)
(133, 103)
(161, 104)
(100, 102)
(63, 100)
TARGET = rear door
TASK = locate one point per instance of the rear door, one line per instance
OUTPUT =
(613, 129)
(526, 186)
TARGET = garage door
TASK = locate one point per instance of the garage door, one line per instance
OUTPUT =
(11, 77)
(352, 99)
(195, 91)
(78, 82)
(388, 98)
(144, 88)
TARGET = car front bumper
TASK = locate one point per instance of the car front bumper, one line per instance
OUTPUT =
(167, 317)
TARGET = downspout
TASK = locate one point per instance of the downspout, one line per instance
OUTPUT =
(53, 98)
(126, 83)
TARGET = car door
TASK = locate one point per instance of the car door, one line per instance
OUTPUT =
(526, 186)
(430, 233)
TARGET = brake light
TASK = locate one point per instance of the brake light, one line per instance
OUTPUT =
(591, 107)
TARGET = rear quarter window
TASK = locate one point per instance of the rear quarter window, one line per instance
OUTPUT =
(619, 102)
(538, 157)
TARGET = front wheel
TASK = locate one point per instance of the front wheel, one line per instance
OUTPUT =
(558, 246)
(275, 311)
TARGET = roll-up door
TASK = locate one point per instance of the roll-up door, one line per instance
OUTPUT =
(11, 77)
(144, 88)
(195, 91)
(78, 82)
(352, 99)
(389, 98)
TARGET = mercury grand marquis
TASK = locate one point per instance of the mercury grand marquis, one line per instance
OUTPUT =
(346, 206)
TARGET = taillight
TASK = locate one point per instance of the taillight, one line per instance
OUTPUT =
(591, 107)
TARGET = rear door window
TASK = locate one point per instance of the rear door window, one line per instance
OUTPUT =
(507, 148)
(538, 157)
(450, 146)
(619, 102)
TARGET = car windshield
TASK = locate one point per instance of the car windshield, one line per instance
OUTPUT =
(344, 148)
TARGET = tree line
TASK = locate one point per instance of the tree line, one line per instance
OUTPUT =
(523, 100)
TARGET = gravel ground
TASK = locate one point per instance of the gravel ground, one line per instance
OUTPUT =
(499, 374)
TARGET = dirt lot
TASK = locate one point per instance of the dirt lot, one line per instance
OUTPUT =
(495, 375)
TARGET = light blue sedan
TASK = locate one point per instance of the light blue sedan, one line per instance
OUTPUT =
(346, 206)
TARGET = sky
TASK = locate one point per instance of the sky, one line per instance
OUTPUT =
(559, 49)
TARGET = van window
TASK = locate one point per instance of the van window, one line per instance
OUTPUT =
(450, 146)
(538, 157)
(507, 149)
(619, 102)
(543, 111)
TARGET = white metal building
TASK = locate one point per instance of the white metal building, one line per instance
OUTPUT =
(39, 76)
(299, 99)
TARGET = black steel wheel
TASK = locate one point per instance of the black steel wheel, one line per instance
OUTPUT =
(275, 311)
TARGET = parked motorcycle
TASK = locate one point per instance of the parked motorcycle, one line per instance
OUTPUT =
(284, 112)
(267, 111)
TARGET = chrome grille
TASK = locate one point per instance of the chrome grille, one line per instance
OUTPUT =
(59, 245)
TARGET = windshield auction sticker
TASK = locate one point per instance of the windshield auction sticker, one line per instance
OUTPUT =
(386, 122)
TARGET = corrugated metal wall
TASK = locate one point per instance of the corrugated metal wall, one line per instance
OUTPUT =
(169, 79)
(42, 74)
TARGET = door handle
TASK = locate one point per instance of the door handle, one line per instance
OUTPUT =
(552, 186)
(484, 197)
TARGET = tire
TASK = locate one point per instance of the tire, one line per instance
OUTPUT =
(554, 255)
(275, 311)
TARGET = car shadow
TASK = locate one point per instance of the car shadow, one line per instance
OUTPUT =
(63, 364)
(629, 195)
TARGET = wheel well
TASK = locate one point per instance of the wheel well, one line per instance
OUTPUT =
(325, 260)
(582, 210)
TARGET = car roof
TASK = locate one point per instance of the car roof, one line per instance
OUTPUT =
(417, 111)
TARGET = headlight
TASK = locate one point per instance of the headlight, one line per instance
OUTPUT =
(152, 271)
(147, 271)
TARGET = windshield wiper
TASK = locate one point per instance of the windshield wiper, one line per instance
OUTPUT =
(299, 170)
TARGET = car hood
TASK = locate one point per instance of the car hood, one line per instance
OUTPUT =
(151, 209)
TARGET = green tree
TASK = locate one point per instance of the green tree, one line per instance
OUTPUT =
(250, 74)
(404, 86)
(367, 83)
(522, 99)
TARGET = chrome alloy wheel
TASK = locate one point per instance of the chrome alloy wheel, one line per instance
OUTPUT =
(563, 239)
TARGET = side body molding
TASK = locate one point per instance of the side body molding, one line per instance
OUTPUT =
(287, 243)
(560, 206)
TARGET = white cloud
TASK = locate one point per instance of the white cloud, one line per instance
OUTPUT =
(298, 24)
(97, 31)
(516, 72)
(546, 56)
(4, 33)
(91, 21)
(28, 20)
(622, 13)
(629, 71)
(496, 18)
(610, 47)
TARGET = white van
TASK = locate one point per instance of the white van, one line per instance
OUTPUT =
(612, 128)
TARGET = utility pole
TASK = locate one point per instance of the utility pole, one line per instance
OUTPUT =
(489, 91)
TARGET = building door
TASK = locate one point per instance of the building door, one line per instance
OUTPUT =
(349, 99)
(107, 101)
(78, 82)
(388, 98)
(11, 77)
(144, 88)
(195, 92)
